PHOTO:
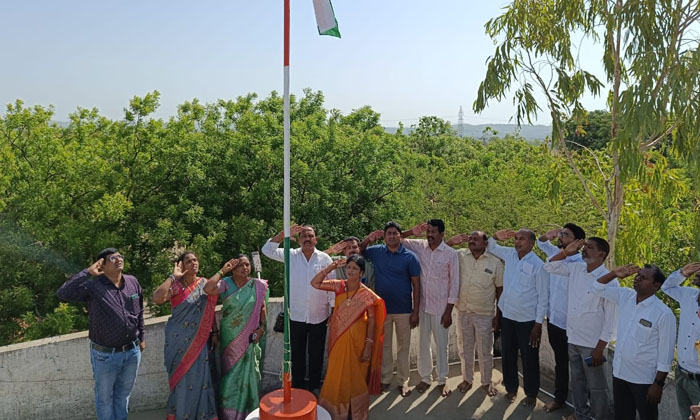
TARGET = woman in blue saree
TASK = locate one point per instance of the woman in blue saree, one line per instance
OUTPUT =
(242, 337)
(187, 333)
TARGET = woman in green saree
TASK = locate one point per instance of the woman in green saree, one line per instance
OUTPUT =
(242, 337)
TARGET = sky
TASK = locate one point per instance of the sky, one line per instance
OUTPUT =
(404, 58)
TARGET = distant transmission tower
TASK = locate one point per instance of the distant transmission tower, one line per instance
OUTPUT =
(460, 122)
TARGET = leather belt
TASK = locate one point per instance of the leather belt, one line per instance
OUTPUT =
(123, 348)
(691, 375)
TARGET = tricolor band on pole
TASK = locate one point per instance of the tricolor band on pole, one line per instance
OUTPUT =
(287, 371)
(325, 18)
(327, 25)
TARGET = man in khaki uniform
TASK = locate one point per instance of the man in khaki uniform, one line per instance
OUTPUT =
(481, 284)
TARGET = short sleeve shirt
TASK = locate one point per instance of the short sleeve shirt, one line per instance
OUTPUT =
(392, 274)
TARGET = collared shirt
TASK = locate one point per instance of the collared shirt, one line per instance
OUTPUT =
(478, 280)
(591, 317)
(439, 280)
(557, 287)
(393, 272)
(525, 294)
(115, 315)
(306, 304)
(689, 329)
(646, 335)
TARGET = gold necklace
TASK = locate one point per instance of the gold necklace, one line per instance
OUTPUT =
(348, 298)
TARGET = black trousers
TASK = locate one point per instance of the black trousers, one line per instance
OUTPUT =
(560, 344)
(515, 337)
(307, 339)
(631, 399)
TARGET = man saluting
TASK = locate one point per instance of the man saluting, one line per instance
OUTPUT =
(115, 313)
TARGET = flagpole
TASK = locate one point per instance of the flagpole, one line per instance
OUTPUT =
(287, 375)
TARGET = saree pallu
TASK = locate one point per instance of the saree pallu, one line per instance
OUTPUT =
(241, 360)
(186, 353)
(349, 382)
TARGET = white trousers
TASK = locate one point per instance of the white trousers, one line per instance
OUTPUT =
(429, 326)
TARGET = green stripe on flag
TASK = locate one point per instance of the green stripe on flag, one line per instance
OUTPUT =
(325, 18)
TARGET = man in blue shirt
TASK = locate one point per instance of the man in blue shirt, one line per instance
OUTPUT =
(397, 275)
(115, 312)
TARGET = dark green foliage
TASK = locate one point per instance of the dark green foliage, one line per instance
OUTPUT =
(210, 179)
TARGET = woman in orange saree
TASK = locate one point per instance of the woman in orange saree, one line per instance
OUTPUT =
(355, 341)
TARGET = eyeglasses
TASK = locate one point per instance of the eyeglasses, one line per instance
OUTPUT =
(562, 234)
(115, 257)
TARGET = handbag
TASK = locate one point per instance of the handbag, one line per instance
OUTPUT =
(279, 323)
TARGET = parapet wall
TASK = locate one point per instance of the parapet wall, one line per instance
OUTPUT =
(52, 378)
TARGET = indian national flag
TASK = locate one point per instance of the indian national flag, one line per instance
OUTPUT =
(325, 18)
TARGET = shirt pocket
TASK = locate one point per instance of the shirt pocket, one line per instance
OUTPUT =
(132, 303)
(642, 334)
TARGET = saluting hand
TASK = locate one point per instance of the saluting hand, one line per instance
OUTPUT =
(419, 229)
(96, 268)
(552, 234)
(177, 271)
(457, 239)
(376, 235)
(625, 271)
(337, 247)
(230, 265)
(574, 247)
(503, 234)
(691, 268)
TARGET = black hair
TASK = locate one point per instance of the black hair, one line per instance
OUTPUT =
(106, 252)
(578, 232)
(601, 244)
(530, 233)
(242, 255)
(352, 238)
(392, 224)
(438, 223)
(659, 276)
(357, 259)
(182, 257)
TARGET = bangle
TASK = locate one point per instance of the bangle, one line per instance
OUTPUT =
(172, 277)
(220, 273)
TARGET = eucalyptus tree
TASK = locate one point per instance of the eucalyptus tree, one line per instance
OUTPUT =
(651, 62)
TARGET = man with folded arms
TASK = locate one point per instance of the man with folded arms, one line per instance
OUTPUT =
(645, 343)
(591, 322)
(687, 370)
(524, 304)
(115, 314)
(556, 317)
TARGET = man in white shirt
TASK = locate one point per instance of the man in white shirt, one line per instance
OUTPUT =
(591, 325)
(308, 307)
(524, 304)
(687, 370)
(645, 343)
(439, 285)
(556, 317)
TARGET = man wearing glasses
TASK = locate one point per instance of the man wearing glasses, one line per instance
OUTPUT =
(115, 313)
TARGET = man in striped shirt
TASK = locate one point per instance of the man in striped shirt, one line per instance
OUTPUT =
(439, 284)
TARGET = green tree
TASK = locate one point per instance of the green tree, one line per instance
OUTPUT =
(651, 62)
(593, 132)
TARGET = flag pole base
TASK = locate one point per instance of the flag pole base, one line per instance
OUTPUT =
(301, 406)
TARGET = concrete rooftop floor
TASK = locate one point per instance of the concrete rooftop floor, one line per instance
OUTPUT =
(430, 405)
